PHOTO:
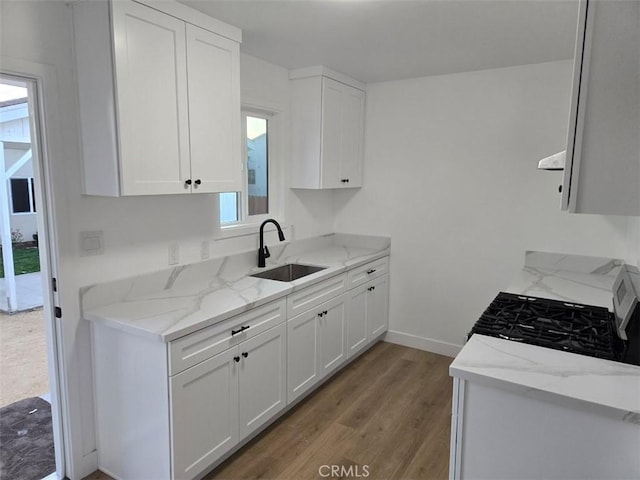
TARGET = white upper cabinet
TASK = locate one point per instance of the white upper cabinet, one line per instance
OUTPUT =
(327, 129)
(214, 110)
(159, 99)
(602, 171)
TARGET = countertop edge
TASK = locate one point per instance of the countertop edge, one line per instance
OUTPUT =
(610, 411)
(489, 378)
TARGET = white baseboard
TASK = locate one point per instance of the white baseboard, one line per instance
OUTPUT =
(421, 343)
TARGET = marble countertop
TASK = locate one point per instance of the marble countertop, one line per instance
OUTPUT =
(174, 302)
(569, 278)
(549, 374)
(555, 375)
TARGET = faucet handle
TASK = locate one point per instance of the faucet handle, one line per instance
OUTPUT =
(266, 252)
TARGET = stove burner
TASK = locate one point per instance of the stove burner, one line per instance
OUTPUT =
(582, 329)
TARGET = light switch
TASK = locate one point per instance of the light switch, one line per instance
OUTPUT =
(91, 243)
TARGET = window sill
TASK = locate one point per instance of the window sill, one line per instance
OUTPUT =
(246, 229)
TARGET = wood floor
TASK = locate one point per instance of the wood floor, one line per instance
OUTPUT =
(385, 416)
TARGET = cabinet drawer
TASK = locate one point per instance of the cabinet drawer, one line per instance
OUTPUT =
(198, 346)
(314, 295)
(367, 272)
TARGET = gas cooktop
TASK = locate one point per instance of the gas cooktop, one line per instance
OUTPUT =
(583, 329)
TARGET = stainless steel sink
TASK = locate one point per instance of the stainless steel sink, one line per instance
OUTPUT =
(288, 272)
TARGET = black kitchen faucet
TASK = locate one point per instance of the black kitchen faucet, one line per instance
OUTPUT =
(263, 252)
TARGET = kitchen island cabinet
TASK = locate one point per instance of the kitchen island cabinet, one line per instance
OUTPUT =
(521, 411)
(159, 99)
(525, 411)
(602, 170)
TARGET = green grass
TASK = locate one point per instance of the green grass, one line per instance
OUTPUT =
(25, 260)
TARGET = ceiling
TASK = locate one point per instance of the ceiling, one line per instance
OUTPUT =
(380, 40)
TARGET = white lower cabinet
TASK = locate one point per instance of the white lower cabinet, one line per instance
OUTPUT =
(368, 313)
(225, 398)
(204, 413)
(263, 378)
(316, 345)
(332, 335)
(303, 370)
(499, 433)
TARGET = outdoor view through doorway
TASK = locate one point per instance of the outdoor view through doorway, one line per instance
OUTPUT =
(27, 447)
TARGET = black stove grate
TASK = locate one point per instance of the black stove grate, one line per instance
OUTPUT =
(575, 328)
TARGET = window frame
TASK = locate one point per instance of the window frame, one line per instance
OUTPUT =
(249, 225)
(30, 192)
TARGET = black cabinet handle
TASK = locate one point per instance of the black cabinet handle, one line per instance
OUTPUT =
(325, 312)
(321, 314)
(236, 359)
(187, 182)
(560, 189)
(369, 272)
(371, 289)
(344, 180)
(245, 354)
(241, 329)
(198, 181)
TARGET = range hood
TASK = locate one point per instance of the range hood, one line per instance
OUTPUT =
(554, 162)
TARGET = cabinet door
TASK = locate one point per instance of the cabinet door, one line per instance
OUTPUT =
(333, 334)
(303, 366)
(262, 379)
(602, 171)
(357, 320)
(331, 133)
(151, 81)
(214, 111)
(204, 413)
(377, 306)
(352, 147)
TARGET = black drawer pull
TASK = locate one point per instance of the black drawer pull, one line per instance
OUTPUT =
(369, 272)
(245, 354)
(236, 359)
(240, 330)
(371, 289)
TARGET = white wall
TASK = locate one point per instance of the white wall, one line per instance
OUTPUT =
(137, 231)
(450, 173)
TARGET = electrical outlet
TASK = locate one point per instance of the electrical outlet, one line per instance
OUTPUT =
(204, 250)
(91, 243)
(174, 254)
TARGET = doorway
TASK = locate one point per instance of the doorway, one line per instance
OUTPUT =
(30, 425)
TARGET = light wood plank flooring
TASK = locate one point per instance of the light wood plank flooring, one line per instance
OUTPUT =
(389, 411)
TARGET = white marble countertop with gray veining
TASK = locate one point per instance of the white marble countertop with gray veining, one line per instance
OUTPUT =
(553, 375)
(569, 278)
(529, 370)
(174, 302)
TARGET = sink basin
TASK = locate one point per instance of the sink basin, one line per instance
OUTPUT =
(288, 272)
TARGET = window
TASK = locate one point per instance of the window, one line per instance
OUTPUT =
(22, 196)
(259, 198)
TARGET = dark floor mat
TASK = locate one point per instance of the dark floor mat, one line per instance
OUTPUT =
(26, 440)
